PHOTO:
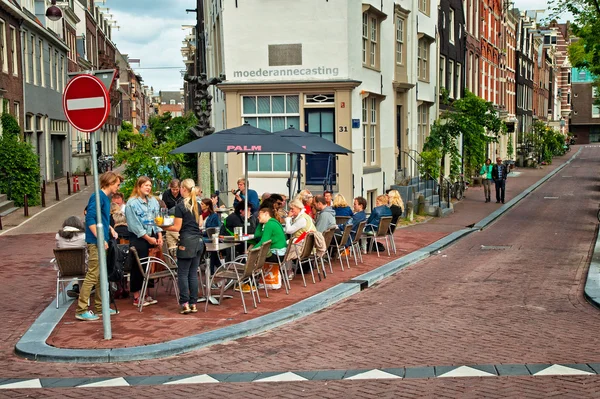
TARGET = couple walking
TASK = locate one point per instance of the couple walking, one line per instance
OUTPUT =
(496, 173)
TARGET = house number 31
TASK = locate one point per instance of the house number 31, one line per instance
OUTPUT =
(343, 129)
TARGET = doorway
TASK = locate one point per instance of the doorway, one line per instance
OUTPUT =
(399, 137)
(320, 166)
(57, 156)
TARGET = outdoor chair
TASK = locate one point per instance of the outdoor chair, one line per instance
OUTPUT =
(145, 267)
(285, 278)
(380, 232)
(328, 237)
(211, 230)
(342, 219)
(239, 273)
(391, 235)
(355, 245)
(340, 245)
(257, 272)
(71, 266)
(306, 255)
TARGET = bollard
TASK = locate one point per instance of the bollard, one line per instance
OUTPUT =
(56, 190)
(84, 179)
(0, 222)
(44, 186)
(43, 197)
(25, 206)
(68, 184)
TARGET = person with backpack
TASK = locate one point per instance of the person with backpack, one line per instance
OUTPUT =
(109, 184)
(190, 248)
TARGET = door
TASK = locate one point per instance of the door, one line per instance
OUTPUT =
(57, 156)
(319, 166)
(399, 137)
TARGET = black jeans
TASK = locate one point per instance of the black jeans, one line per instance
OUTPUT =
(500, 189)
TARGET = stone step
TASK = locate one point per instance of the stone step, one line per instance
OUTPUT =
(3, 197)
(5, 205)
(8, 211)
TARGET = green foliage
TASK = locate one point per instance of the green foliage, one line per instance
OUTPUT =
(430, 163)
(545, 142)
(19, 167)
(126, 135)
(510, 148)
(477, 121)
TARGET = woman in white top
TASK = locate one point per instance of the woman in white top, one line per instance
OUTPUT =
(72, 234)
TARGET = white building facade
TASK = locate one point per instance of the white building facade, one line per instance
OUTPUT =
(361, 74)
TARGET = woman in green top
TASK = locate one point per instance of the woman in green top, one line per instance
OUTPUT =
(486, 178)
(270, 229)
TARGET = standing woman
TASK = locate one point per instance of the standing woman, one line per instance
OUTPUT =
(190, 248)
(140, 211)
(486, 178)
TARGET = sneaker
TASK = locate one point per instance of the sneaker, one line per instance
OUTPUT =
(136, 302)
(86, 316)
(193, 308)
(151, 300)
(184, 308)
(245, 288)
(112, 312)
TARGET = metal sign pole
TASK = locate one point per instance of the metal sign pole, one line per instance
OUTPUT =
(101, 251)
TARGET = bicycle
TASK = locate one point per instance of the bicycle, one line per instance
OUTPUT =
(458, 188)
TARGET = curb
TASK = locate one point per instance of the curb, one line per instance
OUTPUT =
(33, 346)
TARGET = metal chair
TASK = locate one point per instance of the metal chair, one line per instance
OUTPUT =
(211, 230)
(355, 245)
(340, 245)
(144, 266)
(238, 272)
(328, 237)
(308, 244)
(380, 232)
(71, 266)
(391, 234)
(283, 268)
(342, 219)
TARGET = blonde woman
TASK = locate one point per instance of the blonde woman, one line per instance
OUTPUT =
(140, 211)
(190, 248)
(396, 205)
(298, 223)
(340, 206)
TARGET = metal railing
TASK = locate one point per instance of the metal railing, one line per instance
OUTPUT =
(429, 181)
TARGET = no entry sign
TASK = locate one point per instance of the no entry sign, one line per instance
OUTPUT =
(86, 103)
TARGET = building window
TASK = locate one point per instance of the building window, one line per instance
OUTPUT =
(424, 6)
(13, 51)
(172, 102)
(56, 81)
(41, 61)
(423, 60)
(451, 82)
(51, 66)
(595, 111)
(422, 123)
(370, 130)
(26, 57)
(442, 77)
(399, 40)
(17, 112)
(370, 47)
(451, 26)
(271, 113)
(62, 74)
(458, 73)
(33, 59)
(3, 49)
(569, 77)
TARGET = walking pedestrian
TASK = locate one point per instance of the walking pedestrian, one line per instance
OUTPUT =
(109, 184)
(190, 248)
(486, 179)
(499, 174)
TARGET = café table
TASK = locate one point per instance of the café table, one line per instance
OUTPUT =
(212, 247)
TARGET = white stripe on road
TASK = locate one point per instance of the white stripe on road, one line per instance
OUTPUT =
(85, 103)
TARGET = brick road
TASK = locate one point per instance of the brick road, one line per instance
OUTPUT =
(522, 304)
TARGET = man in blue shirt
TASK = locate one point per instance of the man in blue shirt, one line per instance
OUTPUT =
(499, 174)
(109, 184)
(240, 196)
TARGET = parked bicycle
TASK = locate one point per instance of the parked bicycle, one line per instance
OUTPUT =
(458, 188)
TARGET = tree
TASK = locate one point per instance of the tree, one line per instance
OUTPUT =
(478, 123)
(126, 135)
(19, 166)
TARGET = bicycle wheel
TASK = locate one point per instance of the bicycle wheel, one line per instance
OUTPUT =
(598, 215)
(459, 191)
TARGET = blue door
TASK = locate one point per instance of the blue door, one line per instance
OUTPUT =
(319, 166)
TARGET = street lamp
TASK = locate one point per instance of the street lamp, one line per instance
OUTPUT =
(53, 13)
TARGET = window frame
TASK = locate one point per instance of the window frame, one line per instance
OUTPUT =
(423, 59)
(399, 40)
(3, 46)
(14, 52)
(424, 7)
(370, 130)
(371, 32)
(458, 75)
(451, 74)
(41, 58)
(442, 73)
(451, 25)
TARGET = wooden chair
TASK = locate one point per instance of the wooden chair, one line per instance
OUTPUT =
(238, 272)
(340, 245)
(355, 246)
(283, 266)
(380, 232)
(306, 255)
(328, 236)
(342, 219)
(71, 266)
(145, 267)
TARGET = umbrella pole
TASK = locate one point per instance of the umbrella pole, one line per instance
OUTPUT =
(246, 200)
(290, 182)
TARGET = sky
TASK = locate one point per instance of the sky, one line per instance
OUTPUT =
(151, 31)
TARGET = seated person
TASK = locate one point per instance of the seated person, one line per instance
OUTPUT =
(118, 199)
(270, 229)
(326, 215)
(276, 202)
(328, 197)
(298, 224)
(340, 206)
(72, 234)
(121, 225)
(212, 220)
(381, 209)
(359, 215)
(236, 219)
(396, 206)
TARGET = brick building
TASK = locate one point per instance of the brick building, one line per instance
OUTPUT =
(11, 73)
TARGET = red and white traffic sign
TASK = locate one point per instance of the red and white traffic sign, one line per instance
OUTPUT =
(86, 103)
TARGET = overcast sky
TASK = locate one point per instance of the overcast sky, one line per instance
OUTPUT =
(151, 31)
